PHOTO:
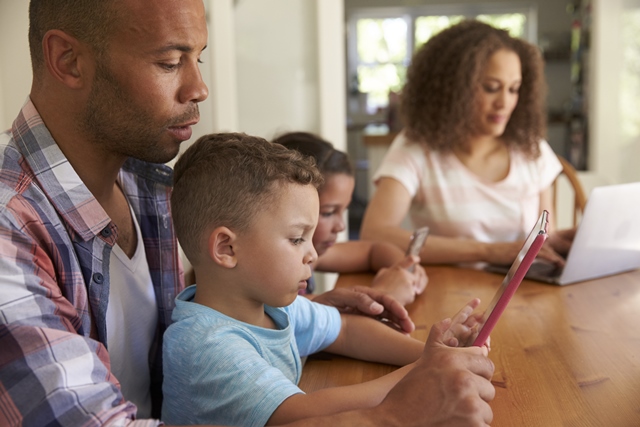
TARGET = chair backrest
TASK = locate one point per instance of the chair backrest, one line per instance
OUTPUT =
(579, 197)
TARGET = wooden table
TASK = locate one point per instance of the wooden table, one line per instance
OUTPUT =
(564, 356)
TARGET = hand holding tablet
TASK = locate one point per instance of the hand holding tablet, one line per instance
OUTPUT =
(480, 332)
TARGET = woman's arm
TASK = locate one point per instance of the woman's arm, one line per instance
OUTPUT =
(388, 208)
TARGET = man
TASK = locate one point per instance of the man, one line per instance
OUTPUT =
(88, 258)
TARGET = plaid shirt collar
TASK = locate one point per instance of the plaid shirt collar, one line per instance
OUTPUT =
(55, 175)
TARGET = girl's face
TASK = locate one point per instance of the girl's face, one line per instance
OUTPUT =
(335, 196)
(497, 95)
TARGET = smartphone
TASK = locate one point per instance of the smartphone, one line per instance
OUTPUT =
(417, 242)
(512, 280)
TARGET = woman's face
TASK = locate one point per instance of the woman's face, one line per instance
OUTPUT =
(335, 196)
(497, 95)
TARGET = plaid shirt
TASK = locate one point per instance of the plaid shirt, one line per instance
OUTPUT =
(55, 244)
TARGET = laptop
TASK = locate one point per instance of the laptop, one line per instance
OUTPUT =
(607, 240)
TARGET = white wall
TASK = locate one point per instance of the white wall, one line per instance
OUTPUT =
(614, 157)
(277, 63)
(15, 65)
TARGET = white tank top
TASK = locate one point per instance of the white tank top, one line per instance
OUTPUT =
(132, 317)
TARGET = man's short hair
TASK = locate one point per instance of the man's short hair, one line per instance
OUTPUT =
(225, 179)
(89, 21)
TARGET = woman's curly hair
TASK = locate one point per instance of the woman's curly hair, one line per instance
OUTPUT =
(438, 100)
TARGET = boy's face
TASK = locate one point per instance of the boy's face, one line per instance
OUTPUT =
(275, 254)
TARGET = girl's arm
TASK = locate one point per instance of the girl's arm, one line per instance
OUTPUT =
(386, 211)
(388, 260)
(358, 256)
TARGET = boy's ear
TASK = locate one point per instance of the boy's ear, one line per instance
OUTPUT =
(64, 57)
(220, 247)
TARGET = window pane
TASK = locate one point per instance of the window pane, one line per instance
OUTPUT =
(381, 40)
(377, 81)
(512, 22)
(427, 26)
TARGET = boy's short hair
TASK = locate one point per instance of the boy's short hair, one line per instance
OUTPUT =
(224, 179)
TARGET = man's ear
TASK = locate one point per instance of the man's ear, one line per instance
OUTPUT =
(220, 247)
(64, 57)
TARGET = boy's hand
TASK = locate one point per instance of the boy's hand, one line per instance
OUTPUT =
(369, 302)
(464, 327)
(448, 386)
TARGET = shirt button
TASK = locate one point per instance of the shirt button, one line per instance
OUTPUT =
(106, 232)
(98, 278)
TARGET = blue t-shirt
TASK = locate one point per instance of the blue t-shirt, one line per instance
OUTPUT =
(218, 370)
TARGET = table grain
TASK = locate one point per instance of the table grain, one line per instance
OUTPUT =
(564, 355)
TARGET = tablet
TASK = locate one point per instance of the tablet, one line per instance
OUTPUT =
(512, 280)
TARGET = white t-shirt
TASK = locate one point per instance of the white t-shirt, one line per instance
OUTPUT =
(132, 316)
(454, 202)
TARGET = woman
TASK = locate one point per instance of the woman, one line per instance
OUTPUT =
(353, 256)
(471, 162)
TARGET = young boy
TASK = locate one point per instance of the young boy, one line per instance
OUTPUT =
(245, 211)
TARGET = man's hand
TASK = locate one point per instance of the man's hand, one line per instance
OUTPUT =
(447, 387)
(401, 283)
(369, 302)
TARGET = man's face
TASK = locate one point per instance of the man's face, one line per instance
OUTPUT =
(146, 89)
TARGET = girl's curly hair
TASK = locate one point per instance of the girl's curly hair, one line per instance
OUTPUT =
(437, 102)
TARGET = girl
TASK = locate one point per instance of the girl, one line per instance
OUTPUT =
(388, 260)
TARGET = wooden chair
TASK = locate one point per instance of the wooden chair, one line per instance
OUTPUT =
(579, 197)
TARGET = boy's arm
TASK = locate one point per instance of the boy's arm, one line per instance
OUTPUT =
(446, 386)
(367, 339)
(337, 399)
